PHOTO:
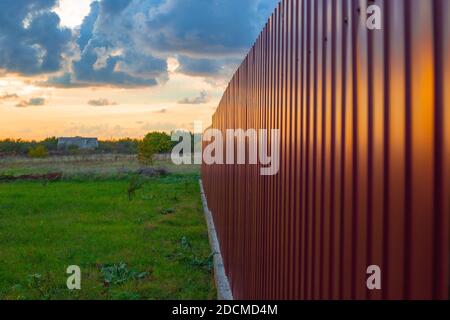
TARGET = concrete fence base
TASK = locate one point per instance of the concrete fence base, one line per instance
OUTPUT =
(222, 283)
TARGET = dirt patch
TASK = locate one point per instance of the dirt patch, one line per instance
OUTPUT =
(32, 177)
(152, 172)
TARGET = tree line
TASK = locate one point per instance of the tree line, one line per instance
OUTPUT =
(153, 143)
(19, 147)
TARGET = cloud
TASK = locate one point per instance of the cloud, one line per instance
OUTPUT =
(87, 27)
(31, 39)
(201, 99)
(199, 67)
(126, 43)
(8, 96)
(64, 80)
(209, 37)
(101, 103)
(205, 29)
(31, 102)
(88, 70)
(114, 6)
(109, 55)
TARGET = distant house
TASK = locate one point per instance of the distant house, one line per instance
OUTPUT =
(78, 143)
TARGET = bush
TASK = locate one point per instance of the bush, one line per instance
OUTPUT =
(153, 143)
(38, 152)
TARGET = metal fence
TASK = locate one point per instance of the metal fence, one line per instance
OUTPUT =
(364, 179)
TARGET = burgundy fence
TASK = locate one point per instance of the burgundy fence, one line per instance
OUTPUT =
(364, 117)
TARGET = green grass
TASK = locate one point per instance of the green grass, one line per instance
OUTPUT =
(160, 235)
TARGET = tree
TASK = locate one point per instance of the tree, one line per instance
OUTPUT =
(51, 144)
(19, 147)
(153, 143)
(38, 152)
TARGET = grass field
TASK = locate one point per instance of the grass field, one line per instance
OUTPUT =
(103, 165)
(152, 247)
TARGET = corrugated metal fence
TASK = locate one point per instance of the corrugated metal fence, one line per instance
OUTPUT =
(364, 179)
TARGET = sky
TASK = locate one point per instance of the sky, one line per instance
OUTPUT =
(119, 68)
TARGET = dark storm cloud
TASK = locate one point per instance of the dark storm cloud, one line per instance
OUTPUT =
(87, 27)
(108, 54)
(193, 66)
(86, 71)
(31, 39)
(207, 28)
(126, 43)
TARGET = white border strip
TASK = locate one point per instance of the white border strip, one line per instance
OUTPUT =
(222, 283)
